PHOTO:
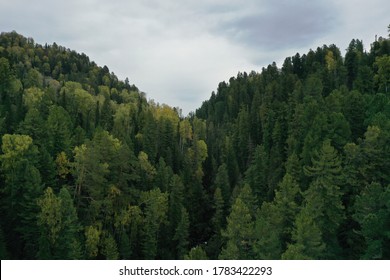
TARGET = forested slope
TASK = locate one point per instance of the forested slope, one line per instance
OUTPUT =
(291, 162)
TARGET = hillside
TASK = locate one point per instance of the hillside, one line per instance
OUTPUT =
(287, 163)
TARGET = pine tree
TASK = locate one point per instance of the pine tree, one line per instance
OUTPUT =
(110, 249)
(222, 183)
(156, 206)
(58, 130)
(196, 253)
(372, 212)
(323, 198)
(257, 174)
(239, 233)
(307, 239)
(69, 245)
(21, 189)
(274, 221)
(268, 233)
(92, 240)
(182, 234)
(218, 221)
(3, 246)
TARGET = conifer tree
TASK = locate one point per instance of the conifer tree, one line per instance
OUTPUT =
(307, 239)
(182, 234)
(196, 253)
(156, 206)
(257, 174)
(372, 212)
(21, 189)
(239, 233)
(323, 198)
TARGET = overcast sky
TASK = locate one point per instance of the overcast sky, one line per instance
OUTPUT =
(177, 51)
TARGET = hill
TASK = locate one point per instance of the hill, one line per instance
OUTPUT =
(287, 163)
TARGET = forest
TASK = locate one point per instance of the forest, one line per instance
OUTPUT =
(284, 163)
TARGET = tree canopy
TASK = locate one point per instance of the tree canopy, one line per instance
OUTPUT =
(284, 163)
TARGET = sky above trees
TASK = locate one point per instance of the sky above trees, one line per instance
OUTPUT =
(177, 51)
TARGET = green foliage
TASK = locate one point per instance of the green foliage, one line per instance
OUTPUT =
(222, 183)
(286, 163)
(307, 239)
(268, 232)
(257, 174)
(274, 221)
(182, 234)
(110, 249)
(32, 97)
(323, 197)
(3, 249)
(59, 130)
(239, 233)
(69, 242)
(92, 240)
(21, 189)
(372, 212)
(50, 215)
(155, 213)
(196, 253)
(383, 76)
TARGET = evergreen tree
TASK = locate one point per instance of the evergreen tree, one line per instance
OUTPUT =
(222, 183)
(3, 248)
(69, 244)
(323, 198)
(59, 130)
(156, 206)
(196, 253)
(21, 189)
(218, 222)
(372, 212)
(239, 233)
(307, 239)
(274, 221)
(283, 163)
(110, 249)
(257, 173)
(182, 234)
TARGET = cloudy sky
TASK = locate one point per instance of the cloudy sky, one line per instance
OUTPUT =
(177, 51)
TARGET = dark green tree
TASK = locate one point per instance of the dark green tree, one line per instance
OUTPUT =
(323, 198)
(155, 213)
(257, 174)
(372, 212)
(182, 234)
(22, 186)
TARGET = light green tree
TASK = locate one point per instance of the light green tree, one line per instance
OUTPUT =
(307, 239)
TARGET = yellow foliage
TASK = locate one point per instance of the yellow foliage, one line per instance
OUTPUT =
(32, 97)
(330, 61)
(62, 165)
(15, 145)
(92, 238)
(50, 215)
(164, 112)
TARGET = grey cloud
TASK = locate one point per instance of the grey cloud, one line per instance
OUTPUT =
(177, 51)
(283, 24)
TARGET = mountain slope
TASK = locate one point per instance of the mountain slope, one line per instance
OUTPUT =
(286, 163)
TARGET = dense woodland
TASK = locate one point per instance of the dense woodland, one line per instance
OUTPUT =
(286, 163)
